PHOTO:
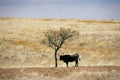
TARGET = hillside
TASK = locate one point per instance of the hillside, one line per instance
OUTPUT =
(98, 43)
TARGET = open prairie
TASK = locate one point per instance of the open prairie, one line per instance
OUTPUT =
(98, 44)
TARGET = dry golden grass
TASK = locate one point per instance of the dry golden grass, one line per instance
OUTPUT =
(98, 43)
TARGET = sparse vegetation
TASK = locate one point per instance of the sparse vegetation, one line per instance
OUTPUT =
(20, 42)
(98, 45)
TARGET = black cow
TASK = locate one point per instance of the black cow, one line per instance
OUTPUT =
(70, 58)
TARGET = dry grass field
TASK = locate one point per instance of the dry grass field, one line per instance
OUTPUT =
(20, 49)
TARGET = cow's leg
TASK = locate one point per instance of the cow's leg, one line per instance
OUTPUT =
(67, 64)
(76, 63)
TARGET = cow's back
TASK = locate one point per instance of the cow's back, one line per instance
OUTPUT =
(70, 58)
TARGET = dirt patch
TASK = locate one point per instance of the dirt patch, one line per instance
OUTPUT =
(60, 72)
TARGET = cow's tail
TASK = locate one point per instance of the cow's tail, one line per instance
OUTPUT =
(79, 59)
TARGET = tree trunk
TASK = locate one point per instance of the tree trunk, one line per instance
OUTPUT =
(56, 58)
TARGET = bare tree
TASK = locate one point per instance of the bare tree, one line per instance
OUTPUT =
(56, 38)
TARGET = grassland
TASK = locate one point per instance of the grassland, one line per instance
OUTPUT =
(21, 51)
(97, 45)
